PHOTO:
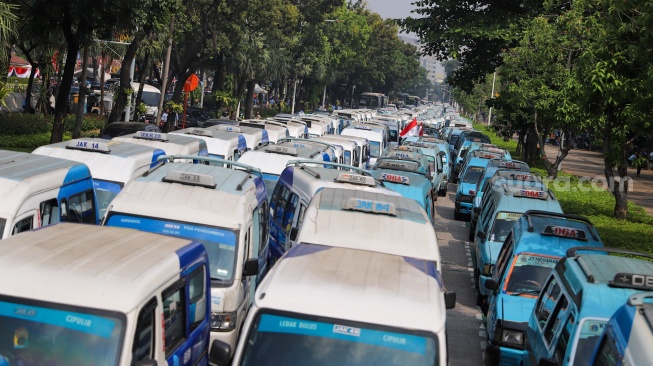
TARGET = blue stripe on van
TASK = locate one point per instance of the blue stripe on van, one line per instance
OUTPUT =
(242, 143)
(426, 267)
(625, 318)
(265, 139)
(188, 254)
(287, 176)
(305, 249)
(306, 131)
(77, 173)
(261, 190)
(326, 157)
(155, 155)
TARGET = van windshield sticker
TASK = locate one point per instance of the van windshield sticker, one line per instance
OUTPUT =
(535, 260)
(508, 216)
(81, 322)
(404, 342)
(225, 238)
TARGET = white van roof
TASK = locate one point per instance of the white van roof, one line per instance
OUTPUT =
(124, 161)
(408, 232)
(155, 195)
(86, 265)
(356, 285)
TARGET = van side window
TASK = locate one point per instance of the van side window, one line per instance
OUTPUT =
(563, 341)
(607, 353)
(197, 293)
(80, 208)
(174, 324)
(49, 212)
(143, 347)
(504, 258)
(23, 225)
(262, 219)
(284, 194)
(290, 212)
(556, 319)
(547, 300)
(300, 218)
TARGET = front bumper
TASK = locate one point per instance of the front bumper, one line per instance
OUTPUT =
(497, 355)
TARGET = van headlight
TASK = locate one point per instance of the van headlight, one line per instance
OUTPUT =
(513, 338)
(223, 322)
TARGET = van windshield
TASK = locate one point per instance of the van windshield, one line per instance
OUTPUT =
(151, 98)
(221, 244)
(105, 191)
(528, 273)
(503, 224)
(40, 333)
(375, 149)
(473, 174)
(306, 340)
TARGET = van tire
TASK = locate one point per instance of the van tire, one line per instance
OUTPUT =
(456, 215)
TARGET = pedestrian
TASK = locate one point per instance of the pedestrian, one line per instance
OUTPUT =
(258, 115)
(164, 117)
(173, 119)
(638, 162)
(52, 104)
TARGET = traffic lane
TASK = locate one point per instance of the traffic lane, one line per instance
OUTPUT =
(466, 335)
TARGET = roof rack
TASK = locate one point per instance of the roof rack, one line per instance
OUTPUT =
(335, 165)
(171, 158)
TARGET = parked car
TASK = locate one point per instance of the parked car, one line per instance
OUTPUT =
(116, 129)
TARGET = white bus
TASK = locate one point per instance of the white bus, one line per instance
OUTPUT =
(276, 131)
(316, 126)
(374, 134)
(91, 295)
(374, 221)
(37, 191)
(339, 306)
(254, 137)
(170, 143)
(112, 163)
(219, 144)
(350, 149)
(296, 128)
(272, 160)
(224, 209)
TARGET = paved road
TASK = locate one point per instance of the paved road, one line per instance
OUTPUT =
(465, 332)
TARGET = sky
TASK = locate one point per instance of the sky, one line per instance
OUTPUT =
(393, 9)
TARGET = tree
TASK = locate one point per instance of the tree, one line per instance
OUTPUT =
(476, 34)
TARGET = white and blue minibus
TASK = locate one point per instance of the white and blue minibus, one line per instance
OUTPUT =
(171, 144)
(254, 137)
(89, 295)
(112, 163)
(226, 209)
(277, 132)
(37, 191)
(220, 144)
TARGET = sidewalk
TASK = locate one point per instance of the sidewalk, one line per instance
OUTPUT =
(583, 163)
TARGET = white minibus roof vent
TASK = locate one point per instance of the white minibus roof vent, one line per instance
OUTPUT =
(151, 136)
(84, 145)
(356, 179)
(394, 178)
(192, 179)
(377, 207)
(199, 132)
(281, 150)
(228, 128)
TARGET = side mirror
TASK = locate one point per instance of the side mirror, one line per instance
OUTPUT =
(491, 285)
(488, 269)
(251, 267)
(220, 353)
(547, 362)
(481, 235)
(450, 299)
(293, 233)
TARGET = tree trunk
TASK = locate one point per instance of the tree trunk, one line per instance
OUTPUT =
(249, 96)
(141, 80)
(79, 116)
(120, 100)
(61, 104)
(619, 188)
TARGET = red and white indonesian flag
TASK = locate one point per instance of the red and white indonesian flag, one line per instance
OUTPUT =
(411, 129)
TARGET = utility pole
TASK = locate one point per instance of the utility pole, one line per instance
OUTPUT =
(292, 109)
(128, 109)
(494, 78)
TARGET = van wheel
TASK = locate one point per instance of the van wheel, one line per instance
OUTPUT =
(456, 215)
(472, 229)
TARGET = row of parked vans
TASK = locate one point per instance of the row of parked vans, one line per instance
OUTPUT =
(119, 293)
(552, 294)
